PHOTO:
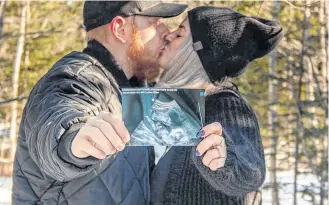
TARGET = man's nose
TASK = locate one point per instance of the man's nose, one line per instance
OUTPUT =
(164, 31)
(170, 36)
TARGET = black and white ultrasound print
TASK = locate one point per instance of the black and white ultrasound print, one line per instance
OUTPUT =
(168, 117)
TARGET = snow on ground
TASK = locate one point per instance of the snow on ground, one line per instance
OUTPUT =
(5, 193)
(285, 192)
(286, 188)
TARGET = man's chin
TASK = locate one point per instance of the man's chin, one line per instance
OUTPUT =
(147, 71)
(153, 75)
(145, 65)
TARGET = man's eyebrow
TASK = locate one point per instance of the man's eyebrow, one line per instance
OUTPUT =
(182, 26)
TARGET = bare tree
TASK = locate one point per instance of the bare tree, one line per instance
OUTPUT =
(2, 14)
(272, 114)
(323, 52)
(297, 96)
(15, 78)
(324, 94)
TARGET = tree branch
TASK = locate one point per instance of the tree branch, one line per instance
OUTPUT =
(39, 33)
(302, 7)
(12, 100)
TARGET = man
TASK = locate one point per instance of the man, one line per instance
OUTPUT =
(71, 138)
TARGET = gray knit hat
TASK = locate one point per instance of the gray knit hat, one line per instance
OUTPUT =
(226, 40)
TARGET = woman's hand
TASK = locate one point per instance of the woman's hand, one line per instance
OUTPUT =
(212, 146)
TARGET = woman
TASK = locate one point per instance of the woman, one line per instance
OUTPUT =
(211, 46)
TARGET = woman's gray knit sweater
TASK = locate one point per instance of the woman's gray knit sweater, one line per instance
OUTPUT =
(189, 182)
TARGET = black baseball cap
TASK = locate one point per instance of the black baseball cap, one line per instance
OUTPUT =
(98, 13)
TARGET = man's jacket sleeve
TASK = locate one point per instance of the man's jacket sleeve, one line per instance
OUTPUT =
(58, 106)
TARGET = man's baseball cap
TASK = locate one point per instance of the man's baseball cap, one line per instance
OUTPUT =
(98, 13)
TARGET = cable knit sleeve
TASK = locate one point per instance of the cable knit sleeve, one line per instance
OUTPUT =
(244, 170)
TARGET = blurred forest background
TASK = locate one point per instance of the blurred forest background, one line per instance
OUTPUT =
(288, 89)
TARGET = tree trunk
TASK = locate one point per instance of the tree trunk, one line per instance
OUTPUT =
(15, 78)
(302, 70)
(326, 8)
(291, 125)
(296, 167)
(324, 90)
(2, 15)
(310, 94)
(272, 114)
(323, 52)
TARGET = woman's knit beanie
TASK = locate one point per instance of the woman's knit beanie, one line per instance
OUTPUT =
(226, 40)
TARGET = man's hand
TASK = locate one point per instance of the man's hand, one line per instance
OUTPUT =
(101, 135)
(212, 146)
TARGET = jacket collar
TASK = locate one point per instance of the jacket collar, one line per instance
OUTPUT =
(100, 53)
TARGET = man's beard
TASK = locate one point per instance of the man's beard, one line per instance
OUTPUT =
(143, 65)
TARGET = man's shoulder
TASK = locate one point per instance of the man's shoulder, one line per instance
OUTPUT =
(73, 68)
(74, 63)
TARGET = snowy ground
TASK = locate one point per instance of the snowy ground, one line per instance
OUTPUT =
(285, 180)
(5, 193)
(285, 193)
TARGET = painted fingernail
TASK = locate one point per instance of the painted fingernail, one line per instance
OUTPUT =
(197, 153)
(201, 133)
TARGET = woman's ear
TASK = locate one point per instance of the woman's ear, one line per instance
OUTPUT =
(118, 28)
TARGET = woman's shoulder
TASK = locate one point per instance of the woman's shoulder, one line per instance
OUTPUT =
(223, 93)
(228, 105)
(227, 99)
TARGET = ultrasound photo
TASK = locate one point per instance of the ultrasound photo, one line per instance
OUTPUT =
(158, 116)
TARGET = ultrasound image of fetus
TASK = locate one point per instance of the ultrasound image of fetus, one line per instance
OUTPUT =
(166, 118)
(166, 124)
(178, 135)
(171, 122)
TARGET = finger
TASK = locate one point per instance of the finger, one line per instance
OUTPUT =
(114, 141)
(213, 128)
(222, 149)
(217, 163)
(209, 156)
(118, 125)
(88, 148)
(90, 119)
(208, 143)
(98, 137)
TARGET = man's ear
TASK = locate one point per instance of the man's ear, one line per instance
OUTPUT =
(118, 28)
